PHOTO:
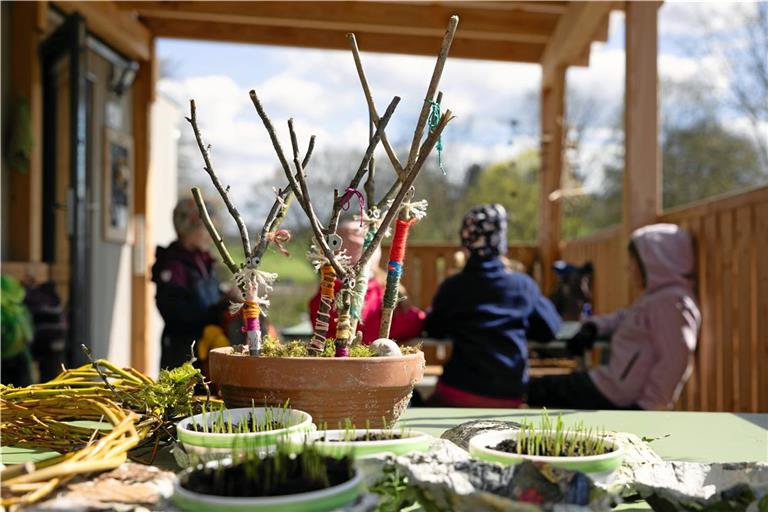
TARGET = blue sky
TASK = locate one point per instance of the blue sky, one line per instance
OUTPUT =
(320, 89)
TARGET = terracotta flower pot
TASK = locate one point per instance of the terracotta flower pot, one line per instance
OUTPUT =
(331, 390)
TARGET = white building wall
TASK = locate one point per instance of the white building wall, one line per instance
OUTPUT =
(110, 262)
(166, 118)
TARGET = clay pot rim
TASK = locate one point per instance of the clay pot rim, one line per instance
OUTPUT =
(227, 352)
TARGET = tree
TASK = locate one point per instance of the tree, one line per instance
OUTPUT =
(515, 185)
(704, 160)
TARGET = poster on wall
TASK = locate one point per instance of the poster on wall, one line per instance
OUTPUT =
(118, 187)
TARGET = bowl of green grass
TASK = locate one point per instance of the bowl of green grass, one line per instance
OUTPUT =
(578, 448)
(222, 432)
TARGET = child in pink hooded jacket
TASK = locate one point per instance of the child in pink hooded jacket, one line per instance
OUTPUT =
(652, 342)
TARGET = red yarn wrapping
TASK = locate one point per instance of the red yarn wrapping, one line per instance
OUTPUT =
(397, 251)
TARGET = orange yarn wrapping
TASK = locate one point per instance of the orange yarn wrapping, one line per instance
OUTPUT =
(328, 281)
(322, 322)
(250, 312)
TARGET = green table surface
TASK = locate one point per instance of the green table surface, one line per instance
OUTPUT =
(691, 436)
(688, 436)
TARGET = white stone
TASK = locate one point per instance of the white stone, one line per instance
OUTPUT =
(385, 347)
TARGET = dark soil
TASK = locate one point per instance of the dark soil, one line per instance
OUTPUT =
(510, 446)
(249, 480)
(378, 436)
(273, 425)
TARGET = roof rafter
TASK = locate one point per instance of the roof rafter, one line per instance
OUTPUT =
(336, 39)
(513, 21)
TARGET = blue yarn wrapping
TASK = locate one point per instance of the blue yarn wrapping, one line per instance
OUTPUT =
(433, 120)
(394, 272)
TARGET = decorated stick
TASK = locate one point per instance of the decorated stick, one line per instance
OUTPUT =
(371, 223)
(344, 336)
(250, 280)
(322, 322)
(410, 213)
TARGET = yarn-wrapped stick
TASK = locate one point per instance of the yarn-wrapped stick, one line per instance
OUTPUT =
(410, 213)
(322, 322)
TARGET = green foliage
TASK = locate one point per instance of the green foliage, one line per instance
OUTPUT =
(16, 321)
(395, 494)
(704, 160)
(275, 348)
(513, 184)
(172, 395)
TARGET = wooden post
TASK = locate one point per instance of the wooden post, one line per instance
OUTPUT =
(25, 185)
(552, 114)
(141, 289)
(641, 121)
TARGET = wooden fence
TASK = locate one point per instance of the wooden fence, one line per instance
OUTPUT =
(731, 370)
(731, 235)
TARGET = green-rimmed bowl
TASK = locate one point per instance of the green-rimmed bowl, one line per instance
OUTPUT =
(334, 444)
(209, 446)
(317, 501)
(597, 466)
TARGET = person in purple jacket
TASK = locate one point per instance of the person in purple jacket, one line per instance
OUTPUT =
(652, 342)
(188, 292)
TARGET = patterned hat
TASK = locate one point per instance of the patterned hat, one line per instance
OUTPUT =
(484, 230)
(186, 218)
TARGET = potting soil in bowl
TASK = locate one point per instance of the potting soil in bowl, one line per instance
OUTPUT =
(221, 486)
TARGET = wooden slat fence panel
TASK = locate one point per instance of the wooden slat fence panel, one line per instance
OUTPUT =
(731, 235)
(731, 360)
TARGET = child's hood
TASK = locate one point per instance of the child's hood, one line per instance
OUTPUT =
(666, 251)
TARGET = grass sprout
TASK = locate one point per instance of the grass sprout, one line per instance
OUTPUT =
(219, 420)
(551, 438)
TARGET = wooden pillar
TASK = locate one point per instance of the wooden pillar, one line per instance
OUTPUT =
(26, 184)
(141, 289)
(642, 167)
(552, 136)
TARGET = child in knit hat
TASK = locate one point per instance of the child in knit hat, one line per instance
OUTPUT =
(488, 312)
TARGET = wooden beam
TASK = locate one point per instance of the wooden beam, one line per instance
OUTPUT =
(573, 35)
(28, 21)
(141, 290)
(393, 18)
(552, 136)
(642, 162)
(641, 118)
(336, 40)
(119, 29)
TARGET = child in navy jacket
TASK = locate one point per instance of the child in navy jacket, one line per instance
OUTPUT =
(489, 313)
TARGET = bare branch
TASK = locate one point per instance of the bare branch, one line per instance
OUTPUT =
(413, 172)
(306, 203)
(218, 242)
(362, 169)
(432, 89)
(279, 209)
(372, 107)
(204, 150)
(370, 180)
(276, 144)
